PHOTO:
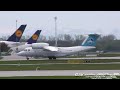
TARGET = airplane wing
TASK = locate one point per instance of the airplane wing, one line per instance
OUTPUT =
(50, 48)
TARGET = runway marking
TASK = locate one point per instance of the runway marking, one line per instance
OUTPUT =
(58, 73)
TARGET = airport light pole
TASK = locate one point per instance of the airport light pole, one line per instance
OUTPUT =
(16, 24)
(55, 31)
(16, 29)
(16, 38)
(16, 43)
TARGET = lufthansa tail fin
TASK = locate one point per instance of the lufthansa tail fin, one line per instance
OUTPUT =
(15, 37)
(34, 37)
(91, 40)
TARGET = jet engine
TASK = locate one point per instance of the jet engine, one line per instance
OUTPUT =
(39, 45)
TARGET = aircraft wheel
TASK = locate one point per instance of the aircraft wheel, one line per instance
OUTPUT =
(27, 58)
(50, 57)
(54, 57)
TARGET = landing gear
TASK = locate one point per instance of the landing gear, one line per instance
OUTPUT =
(87, 61)
(52, 58)
(27, 58)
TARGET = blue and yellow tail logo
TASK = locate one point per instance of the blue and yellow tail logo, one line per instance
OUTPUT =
(91, 40)
(18, 33)
(16, 36)
(34, 37)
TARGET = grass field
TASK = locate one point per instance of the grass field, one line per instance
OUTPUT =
(59, 61)
(33, 61)
(109, 55)
(61, 67)
(58, 65)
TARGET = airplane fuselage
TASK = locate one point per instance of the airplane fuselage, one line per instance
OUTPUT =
(62, 51)
(10, 43)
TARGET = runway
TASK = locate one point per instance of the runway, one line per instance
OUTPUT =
(92, 58)
(58, 73)
(15, 57)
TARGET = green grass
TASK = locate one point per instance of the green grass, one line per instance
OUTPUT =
(58, 65)
(103, 60)
(109, 55)
(62, 67)
(33, 61)
(58, 61)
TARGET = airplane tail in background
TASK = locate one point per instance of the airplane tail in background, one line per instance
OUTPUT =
(15, 37)
(91, 40)
(34, 37)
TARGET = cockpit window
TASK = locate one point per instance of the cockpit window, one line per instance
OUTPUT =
(27, 50)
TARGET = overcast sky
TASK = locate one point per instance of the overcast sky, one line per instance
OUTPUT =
(68, 22)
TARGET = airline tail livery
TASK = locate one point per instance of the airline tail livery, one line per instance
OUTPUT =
(34, 37)
(15, 37)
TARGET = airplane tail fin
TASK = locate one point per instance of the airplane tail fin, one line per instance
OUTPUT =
(34, 37)
(91, 40)
(15, 37)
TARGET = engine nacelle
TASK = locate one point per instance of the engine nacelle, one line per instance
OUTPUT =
(39, 45)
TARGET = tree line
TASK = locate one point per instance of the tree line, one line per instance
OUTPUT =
(104, 43)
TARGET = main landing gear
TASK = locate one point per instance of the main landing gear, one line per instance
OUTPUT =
(27, 58)
(52, 58)
(87, 61)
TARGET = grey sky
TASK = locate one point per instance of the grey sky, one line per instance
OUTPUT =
(68, 22)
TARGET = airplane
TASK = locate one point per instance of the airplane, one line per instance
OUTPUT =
(53, 52)
(30, 41)
(14, 39)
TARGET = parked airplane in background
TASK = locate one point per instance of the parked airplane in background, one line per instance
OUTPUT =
(14, 39)
(52, 52)
(33, 39)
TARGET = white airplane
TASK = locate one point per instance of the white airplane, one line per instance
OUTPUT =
(52, 52)
(14, 39)
(29, 43)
